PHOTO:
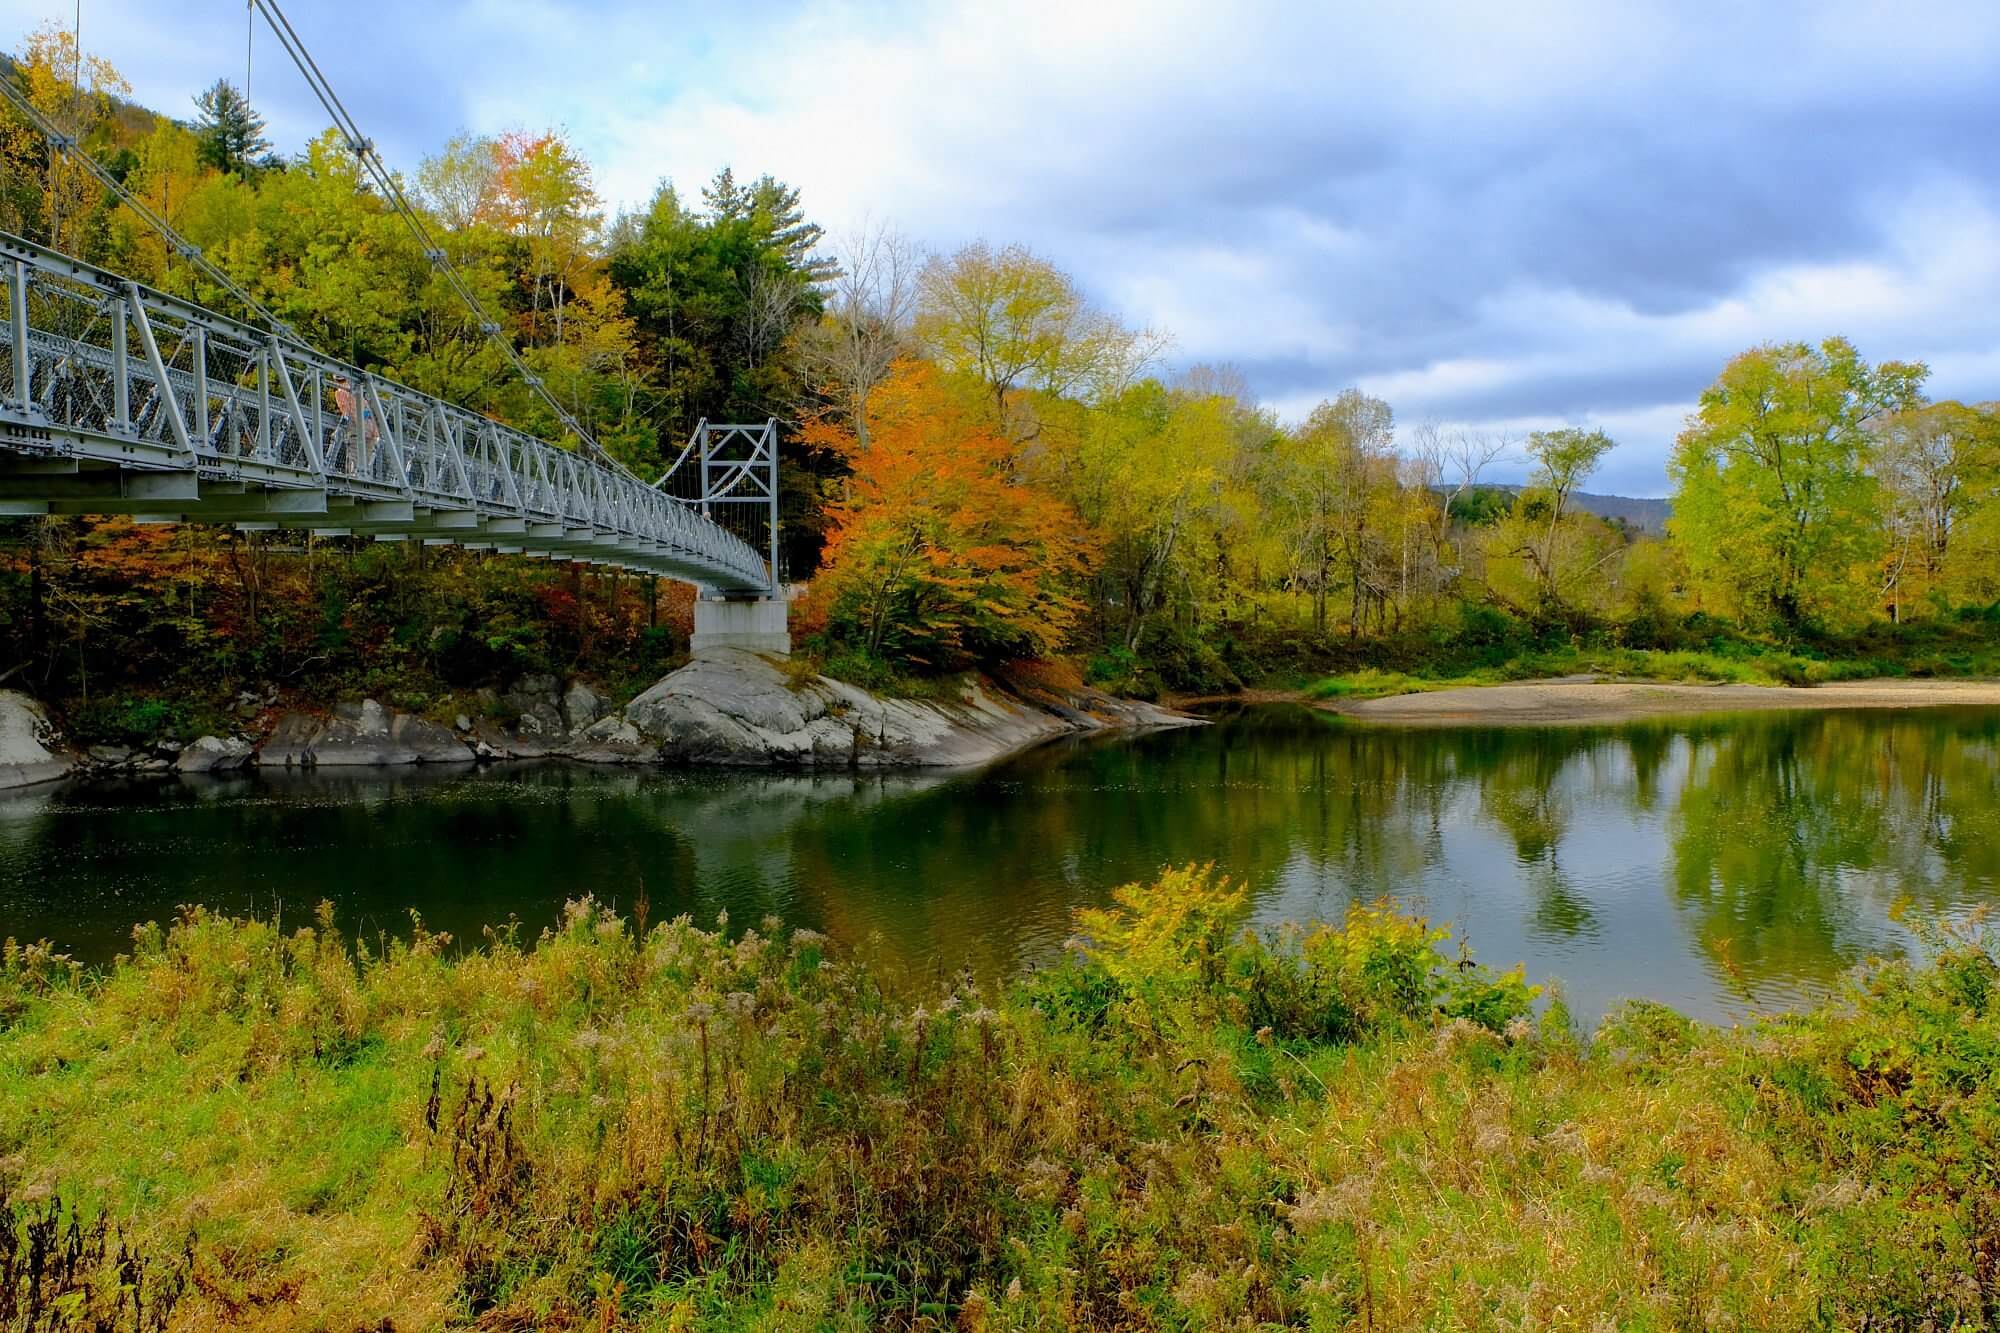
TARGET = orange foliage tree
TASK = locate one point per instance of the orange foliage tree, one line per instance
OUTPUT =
(938, 556)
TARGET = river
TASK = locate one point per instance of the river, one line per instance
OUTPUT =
(1720, 864)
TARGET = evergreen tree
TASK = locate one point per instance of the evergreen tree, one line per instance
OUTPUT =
(229, 128)
(775, 206)
(727, 201)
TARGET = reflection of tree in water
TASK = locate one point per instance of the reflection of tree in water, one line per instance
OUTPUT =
(1526, 788)
(1649, 747)
(1789, 837)
(1059, 827)
(1788, 826)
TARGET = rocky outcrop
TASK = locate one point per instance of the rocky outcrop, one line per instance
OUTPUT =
(290, 743)
(429, 742)
(581, 706)
(548, 718)
(615, 739)
(29, 749)
(126, 761)
(729, 706)
(214, 754)
(361, 734)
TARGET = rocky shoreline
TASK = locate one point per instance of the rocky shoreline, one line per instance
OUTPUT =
(727, 707)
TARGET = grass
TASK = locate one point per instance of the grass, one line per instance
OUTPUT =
(1181, 1126)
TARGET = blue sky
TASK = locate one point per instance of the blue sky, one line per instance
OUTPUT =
(1506, 216)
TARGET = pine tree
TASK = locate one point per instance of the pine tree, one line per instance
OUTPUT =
(727, 201)
(776, 206)
(231, 131)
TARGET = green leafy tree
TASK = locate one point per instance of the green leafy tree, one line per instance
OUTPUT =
(719, 298)
(1016, 323)
(1153, 472)
(1776, 507)
(1542, 528)
(1329, 485)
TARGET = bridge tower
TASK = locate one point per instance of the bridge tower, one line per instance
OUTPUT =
(735, 468)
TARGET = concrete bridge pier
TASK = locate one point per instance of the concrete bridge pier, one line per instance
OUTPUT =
(760, 625)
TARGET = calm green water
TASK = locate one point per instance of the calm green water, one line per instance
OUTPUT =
(1719, 864)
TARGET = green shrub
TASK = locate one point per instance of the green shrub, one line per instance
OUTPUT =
(141, 720)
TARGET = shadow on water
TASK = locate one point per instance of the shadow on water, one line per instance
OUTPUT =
(1720, 864)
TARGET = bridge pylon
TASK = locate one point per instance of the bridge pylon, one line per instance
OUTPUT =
(729, 474)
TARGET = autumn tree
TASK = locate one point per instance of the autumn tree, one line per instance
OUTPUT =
(937, 559)
(1013, 322)
(1775, 504)
(543, 195)
(1543, 529)
(1326, 484)
(460, 184)
(1153, 473)
(1938, 465)
(166, 173)
(318, 247)
(47, 192)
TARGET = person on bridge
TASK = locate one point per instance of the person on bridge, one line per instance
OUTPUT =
(356, 412)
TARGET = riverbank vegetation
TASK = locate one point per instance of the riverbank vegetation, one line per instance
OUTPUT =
(1181, 1124)
(1966, 644)
(980, 464)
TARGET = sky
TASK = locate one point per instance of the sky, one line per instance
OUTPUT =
(1498, 216)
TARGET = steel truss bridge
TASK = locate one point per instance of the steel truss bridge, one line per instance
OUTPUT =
(117, 399)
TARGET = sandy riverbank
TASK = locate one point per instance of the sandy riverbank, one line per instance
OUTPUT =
(1549, 702)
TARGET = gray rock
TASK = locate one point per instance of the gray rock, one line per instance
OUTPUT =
(214, 754)
(359, 735)
(538, 702)
(290, 743)
(431, 743)
(581, 706)
(500, 743)
(612, 740)
(109, 756)
(729, 706)
(462, 722)
(29, 748)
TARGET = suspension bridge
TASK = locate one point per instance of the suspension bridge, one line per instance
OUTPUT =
(118, 399)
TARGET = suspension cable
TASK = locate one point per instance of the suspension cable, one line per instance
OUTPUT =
(392, 191)
(188, 250)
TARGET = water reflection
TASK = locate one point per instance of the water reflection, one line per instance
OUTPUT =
(1719, 864)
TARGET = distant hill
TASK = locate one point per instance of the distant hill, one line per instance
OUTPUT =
(128, 123)
(1647, 515)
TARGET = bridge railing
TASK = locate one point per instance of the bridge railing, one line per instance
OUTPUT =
(93, 364)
